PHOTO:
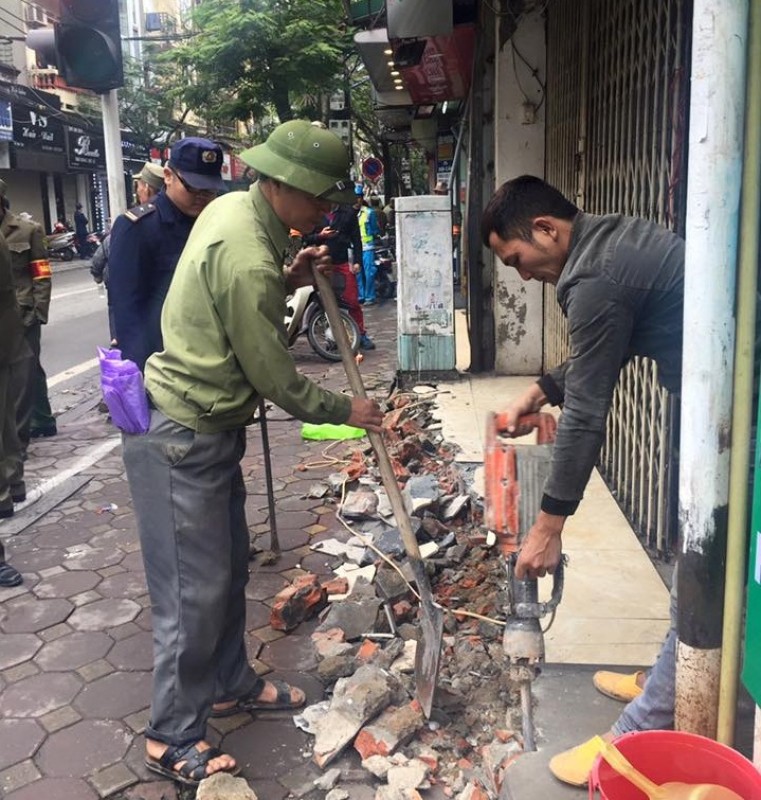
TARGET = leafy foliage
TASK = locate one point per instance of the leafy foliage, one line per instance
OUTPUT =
(250, 58)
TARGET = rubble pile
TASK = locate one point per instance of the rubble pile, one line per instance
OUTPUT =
(366, 643)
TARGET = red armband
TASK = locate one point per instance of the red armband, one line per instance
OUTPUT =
(40, 269)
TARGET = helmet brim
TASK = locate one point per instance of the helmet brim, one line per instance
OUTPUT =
(311, 181)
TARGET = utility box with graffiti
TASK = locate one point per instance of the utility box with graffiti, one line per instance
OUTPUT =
(425, 284)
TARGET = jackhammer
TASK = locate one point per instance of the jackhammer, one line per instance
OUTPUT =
(514, 483)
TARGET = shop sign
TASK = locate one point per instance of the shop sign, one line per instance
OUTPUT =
(6, 121)
(86, 149)
(35, 131)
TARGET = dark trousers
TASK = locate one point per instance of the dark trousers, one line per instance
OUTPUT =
(11, 460)
(34, 411)
(188, 494)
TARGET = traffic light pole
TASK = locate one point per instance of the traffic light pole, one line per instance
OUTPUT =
(117, 202)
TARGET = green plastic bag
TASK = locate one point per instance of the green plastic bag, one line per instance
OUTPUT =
(328, 431)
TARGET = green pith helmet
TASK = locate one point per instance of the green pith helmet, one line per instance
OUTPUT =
(305, 157)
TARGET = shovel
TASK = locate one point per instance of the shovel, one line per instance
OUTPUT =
(428, 650)
(666, 791)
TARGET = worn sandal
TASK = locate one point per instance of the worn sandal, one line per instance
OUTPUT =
(251, 702)
(193, 771)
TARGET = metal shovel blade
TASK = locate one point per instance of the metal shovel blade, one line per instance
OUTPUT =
(428, 652)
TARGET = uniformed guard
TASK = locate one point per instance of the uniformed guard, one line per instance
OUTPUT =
(149, 182)
(13, 351)
(32, 279)
(146, 242)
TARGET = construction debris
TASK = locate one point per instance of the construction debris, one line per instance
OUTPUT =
(366, 643)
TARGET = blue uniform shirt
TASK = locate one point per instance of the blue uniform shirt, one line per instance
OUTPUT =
(146, 243)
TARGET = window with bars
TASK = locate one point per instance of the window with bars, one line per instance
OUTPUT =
(6, 51)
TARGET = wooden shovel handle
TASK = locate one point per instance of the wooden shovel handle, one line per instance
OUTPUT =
(376, 439)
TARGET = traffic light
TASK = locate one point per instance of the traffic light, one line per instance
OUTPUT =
(85, 45)
(88, 44)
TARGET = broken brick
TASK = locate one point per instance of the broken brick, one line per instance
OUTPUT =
(394, 727)
(367, 650)
(402, 610)
(336, 586)
(303, 599)
(473, 791)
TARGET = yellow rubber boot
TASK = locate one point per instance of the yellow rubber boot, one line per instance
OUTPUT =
(617, 685)
(573, 766)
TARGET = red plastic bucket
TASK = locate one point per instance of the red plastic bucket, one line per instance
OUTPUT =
(675, 756)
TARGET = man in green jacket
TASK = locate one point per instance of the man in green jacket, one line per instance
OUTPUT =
(13, 349)
(33, 281)
(225, 347)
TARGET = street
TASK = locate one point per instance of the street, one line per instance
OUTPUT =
(78, 324)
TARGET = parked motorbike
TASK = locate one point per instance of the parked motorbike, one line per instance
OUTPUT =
(385, 261)
(306, 315)
(62, 245)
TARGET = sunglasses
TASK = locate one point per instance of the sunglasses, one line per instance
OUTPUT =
(190, 189)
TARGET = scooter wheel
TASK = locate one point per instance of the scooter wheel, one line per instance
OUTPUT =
(67, 255)
(321, 337)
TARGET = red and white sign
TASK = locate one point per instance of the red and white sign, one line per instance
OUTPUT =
(372, 169)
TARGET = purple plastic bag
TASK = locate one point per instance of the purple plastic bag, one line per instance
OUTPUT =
(123, 392)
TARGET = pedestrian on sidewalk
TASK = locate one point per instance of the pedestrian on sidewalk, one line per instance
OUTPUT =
(32, 279)
(146, 242)
(224, 348)
(369, 232)
(340, 232)
(148, 182)
(620, 283)
(80, 228)
(13, 351)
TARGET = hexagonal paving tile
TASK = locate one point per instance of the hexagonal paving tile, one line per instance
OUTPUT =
(19, 739)
(104, 614)
(262, 585)
(290, 652)
(37, 559)
(55, 789)
(117, 695)
(95, 558)
(134, 652)
(17, 648)
(29, 614)
(257, 615)
(67, 584)
(268, 747)
(83, 748)
(73, 651)
(39, 695)
(291, 538)
(126, 584)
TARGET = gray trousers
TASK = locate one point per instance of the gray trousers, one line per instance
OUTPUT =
(188, 494)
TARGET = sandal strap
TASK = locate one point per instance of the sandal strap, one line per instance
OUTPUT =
(283, 692)
(195, 760)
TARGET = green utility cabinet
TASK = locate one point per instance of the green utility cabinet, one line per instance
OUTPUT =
(752, 666)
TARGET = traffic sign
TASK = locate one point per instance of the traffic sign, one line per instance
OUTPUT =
(372, 169)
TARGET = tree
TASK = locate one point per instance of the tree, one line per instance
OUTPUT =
(252, 57)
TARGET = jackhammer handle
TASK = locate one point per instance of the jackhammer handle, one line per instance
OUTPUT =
(539, 610)
(376, 439)
(543, 423)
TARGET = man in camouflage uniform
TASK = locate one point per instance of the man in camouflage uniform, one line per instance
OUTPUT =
(12, 349)
(32, 279)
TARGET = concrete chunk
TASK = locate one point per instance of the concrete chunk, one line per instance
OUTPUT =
(356, 700)
(394, 727)
(223, 786)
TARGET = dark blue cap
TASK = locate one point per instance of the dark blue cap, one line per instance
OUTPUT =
(199, 161)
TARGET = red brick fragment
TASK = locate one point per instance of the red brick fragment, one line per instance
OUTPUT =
(392, 728)
(303, 599)
(367, 650)
(336, 586)
(503, 735)
(402, 610)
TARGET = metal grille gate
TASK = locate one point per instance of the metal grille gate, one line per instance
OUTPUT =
(616, 130)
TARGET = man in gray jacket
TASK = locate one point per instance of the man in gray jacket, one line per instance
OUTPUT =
(620, 283)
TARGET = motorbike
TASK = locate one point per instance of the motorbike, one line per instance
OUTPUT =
(385, 261)
(305, 314)
(62, 245)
